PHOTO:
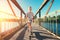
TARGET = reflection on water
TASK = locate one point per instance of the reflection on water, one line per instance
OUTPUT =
(4, 26)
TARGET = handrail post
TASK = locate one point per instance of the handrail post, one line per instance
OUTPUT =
(39, 17)
(56, 24)
(0, 37)
(48, 23)
(53, 26)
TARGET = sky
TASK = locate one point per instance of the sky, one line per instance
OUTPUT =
(35, 4)
(5, 10)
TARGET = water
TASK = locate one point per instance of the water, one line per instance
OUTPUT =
(52, 27)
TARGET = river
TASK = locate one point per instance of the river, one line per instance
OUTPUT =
(52, 27)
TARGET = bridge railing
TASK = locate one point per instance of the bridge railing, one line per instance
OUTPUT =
(10, 23)
(51, 22)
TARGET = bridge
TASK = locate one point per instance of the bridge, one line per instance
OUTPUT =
(43, 28)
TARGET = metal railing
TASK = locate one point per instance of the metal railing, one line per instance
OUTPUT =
(51, 22)
(7, 23)
(48, 22)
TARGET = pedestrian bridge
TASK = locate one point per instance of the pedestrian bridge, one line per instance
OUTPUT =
(43, 28)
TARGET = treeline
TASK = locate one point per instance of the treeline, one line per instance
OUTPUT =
(50, 19)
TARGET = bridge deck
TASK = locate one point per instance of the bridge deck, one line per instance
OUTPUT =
(38, 34)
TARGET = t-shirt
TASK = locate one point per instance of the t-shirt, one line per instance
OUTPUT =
(30, 15)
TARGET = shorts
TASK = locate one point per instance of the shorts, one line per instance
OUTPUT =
(30, 21)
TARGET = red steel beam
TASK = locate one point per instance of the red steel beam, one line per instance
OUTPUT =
(18, 6)
(41, 7)
(11, 8)
(49, 7)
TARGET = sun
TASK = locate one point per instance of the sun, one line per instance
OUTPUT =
(5, 13)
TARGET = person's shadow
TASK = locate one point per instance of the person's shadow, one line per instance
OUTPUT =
(42, 37)
(21, 35)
